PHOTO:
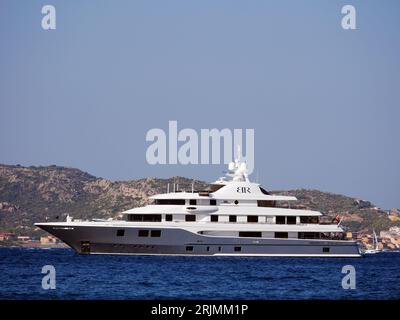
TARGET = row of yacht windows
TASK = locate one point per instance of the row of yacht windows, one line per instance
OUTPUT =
(141, 233)
(212, 202)
(281, 235)
(181, 202)
(242, 234)
(232, 218)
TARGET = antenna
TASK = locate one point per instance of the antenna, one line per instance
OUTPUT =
(193, 186)
(168, 188)
(239, 153)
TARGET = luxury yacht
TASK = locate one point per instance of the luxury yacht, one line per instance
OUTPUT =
(235, 217)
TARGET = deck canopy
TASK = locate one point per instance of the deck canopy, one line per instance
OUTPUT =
(235, 190)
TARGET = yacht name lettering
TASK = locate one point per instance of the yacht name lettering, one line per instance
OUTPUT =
(243, 190)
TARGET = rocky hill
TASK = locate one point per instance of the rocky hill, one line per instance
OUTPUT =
(34, 194)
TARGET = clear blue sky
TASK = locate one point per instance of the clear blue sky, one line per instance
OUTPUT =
(324, 102)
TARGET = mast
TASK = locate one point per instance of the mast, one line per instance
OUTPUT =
(375, 240)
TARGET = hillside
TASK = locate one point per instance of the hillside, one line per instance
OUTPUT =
(33, 194)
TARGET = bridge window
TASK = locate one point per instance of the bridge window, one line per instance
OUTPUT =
(266, 203)
(264, 191)
(309, 219)
(179, 202)
(193, 202)
(145, 217)
(213, 202)
(215, 187)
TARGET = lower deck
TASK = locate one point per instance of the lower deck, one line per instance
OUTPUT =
(272, 250)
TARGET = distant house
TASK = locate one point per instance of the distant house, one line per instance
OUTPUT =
(392, 232)
(4, 236)
(48, 240)
(23, 238)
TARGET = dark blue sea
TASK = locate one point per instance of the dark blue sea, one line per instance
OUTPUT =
(168, 277)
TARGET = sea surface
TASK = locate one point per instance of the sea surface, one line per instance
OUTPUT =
(169, 277)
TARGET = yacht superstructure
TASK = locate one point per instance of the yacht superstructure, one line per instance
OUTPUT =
(234, 217)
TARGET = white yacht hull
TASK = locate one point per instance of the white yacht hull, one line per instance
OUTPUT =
(97, 238)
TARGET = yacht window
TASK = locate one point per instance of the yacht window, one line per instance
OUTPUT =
(145, 217)
(204, 193)
(193, 202)
(214, 218)
(266, 203)
(252, 219)
(155, 233)
(85, 246)
(215, 187)
(143, 233)
(120, 233)
(232, 218)
(190, 217)
(189, 248)
(309, 219)
(309, 235)
(250, 234)
(213, 202)
(280, 219)
(219, 249)
(168, 217)
(325, 249)
(264, 191)
(236, 202)
(281, 235)
(291, 220)
(238, 249)
(170, 201)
